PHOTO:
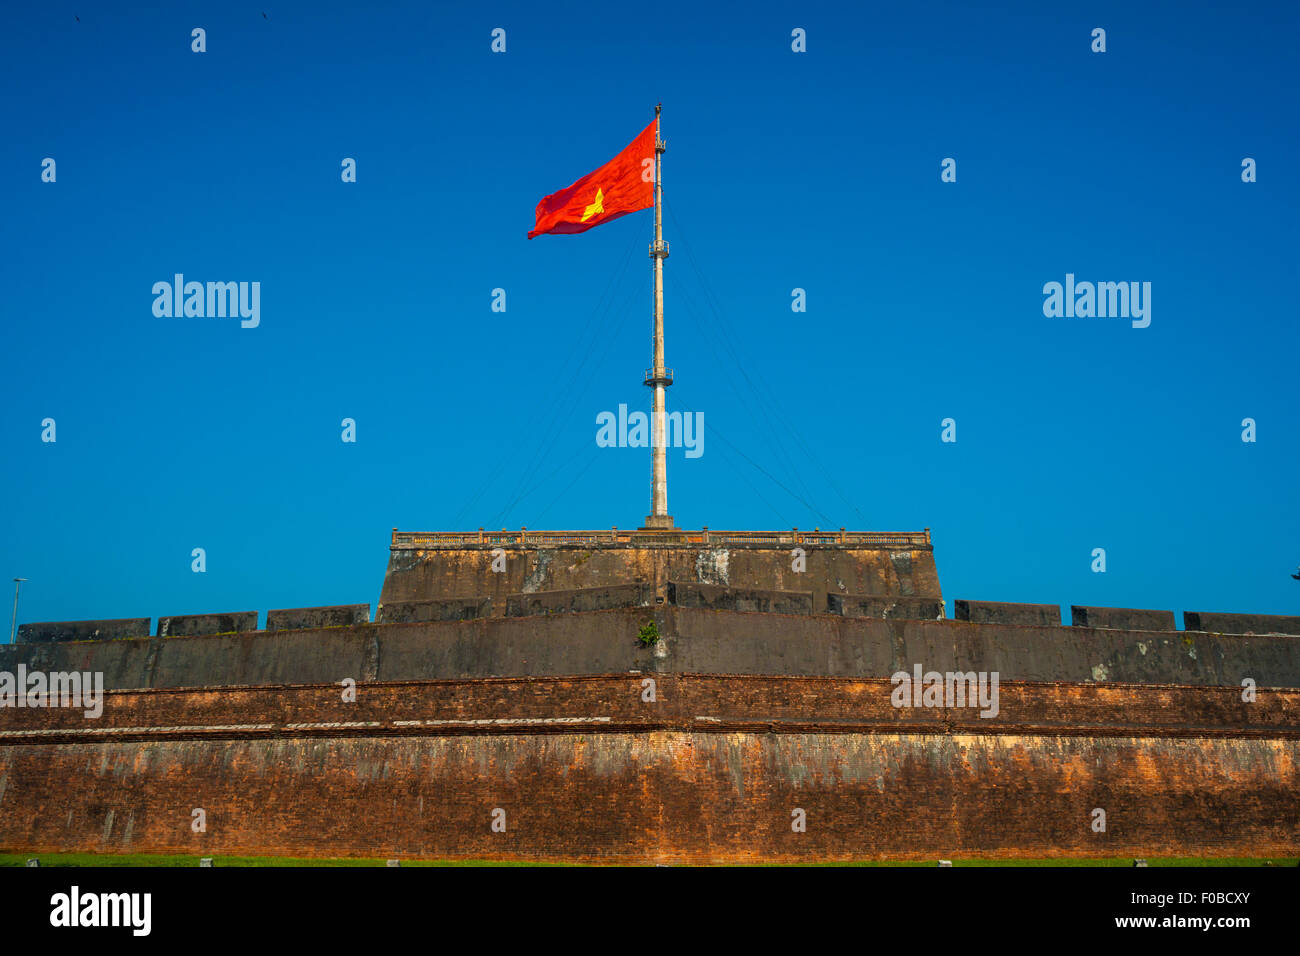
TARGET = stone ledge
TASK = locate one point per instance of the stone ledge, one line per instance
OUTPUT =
(718, 598)
(1220, 623)
(198, 625)
(425, 612)
(580, 599)
(889, 608)
(44, 632)
(1122, 618)
(997, 612)
(298, 618)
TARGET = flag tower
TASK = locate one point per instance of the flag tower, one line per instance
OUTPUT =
(617, 188)
(658, 377)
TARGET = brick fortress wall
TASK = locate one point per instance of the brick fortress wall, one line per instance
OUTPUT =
(524, 690)
(710, 771)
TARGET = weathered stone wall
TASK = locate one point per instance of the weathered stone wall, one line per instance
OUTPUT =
(537, 706)
(696, 640)
(467, 571)
(109, 630)
(685, 594)
(996, 612)
(1122, 618)
(188, 625)
(338, 615)
(587, 770)
(445, 609)
(579, 599)
(667, 796)
(891, 608)
(1240, 623)
(616, 703)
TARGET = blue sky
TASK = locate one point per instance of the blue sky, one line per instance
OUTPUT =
(816, 170)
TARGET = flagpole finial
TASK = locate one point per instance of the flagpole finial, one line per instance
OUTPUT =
(658, 107)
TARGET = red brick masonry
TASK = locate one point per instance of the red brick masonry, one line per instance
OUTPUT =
(585, 769)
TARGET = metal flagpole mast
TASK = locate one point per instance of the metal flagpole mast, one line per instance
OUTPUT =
(659, 377)
(13, 621)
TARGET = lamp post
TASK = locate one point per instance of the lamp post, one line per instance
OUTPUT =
(13, 621)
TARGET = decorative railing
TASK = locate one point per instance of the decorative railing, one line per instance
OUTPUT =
(423, 540)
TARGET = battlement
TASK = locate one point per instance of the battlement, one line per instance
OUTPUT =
(522, 664)
(714, 635)
(684, 594)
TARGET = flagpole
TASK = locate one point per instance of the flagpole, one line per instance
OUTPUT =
(659, 377)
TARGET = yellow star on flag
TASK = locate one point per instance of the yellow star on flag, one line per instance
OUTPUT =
(595, 208)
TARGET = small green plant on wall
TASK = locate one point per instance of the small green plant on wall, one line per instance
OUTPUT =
(649, 634)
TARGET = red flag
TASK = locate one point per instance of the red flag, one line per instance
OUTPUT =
(624, 184)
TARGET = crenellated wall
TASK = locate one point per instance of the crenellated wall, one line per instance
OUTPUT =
(529, 690)
(697, 640)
